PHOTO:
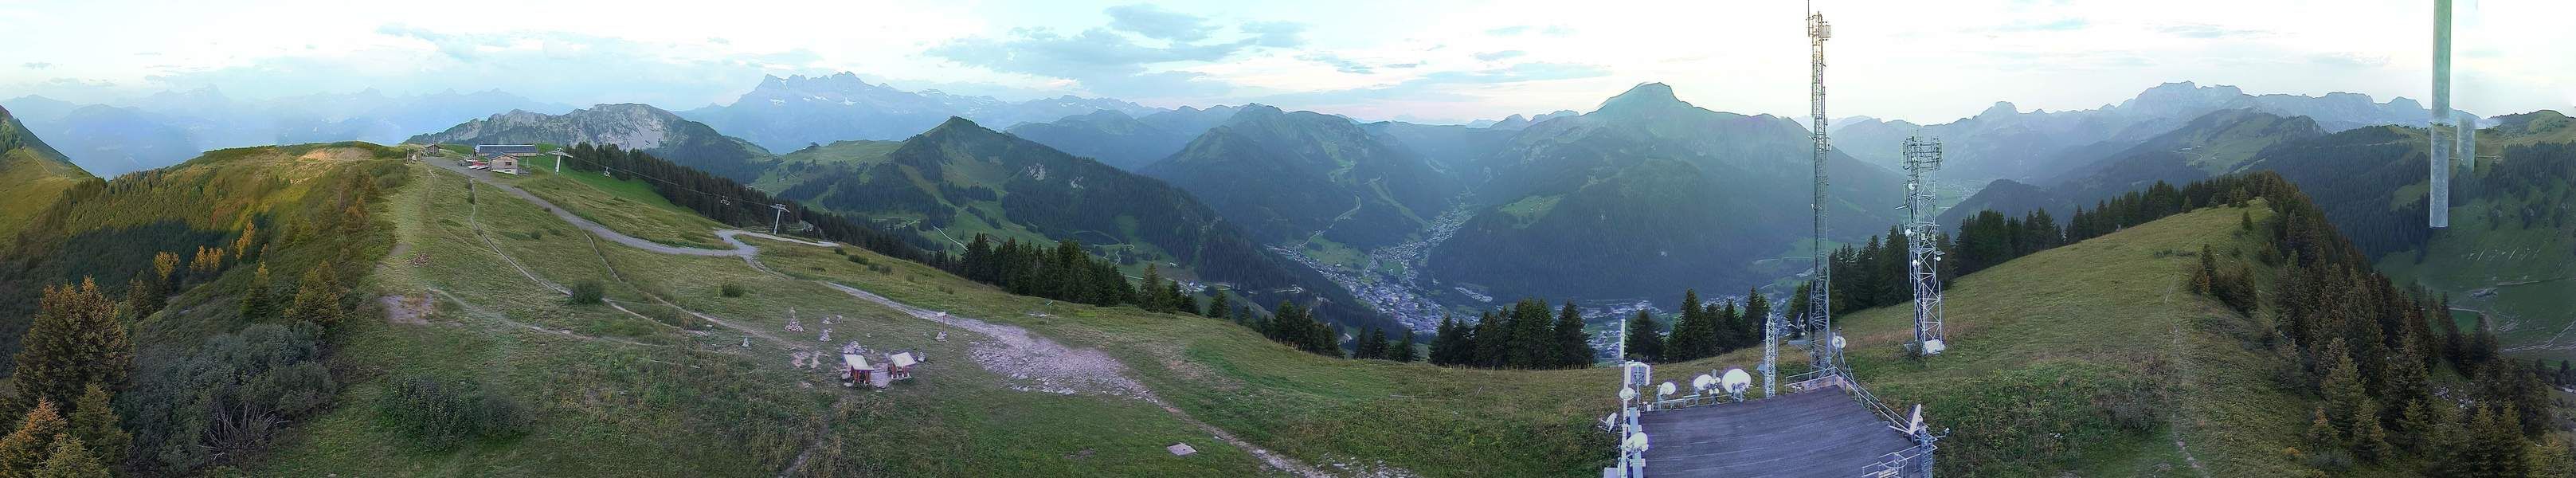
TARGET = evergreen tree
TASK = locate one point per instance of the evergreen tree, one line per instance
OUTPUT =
(93, 420)
(72, 460)
(75, 341)
(255, 303)
(1757, 314)
(1371, 345)
(1645, 339)
(2369, 440)
(1404, 351)
(1449, 343)
(2342, 388)
(317, 298)
(1573, 346)
(2416, 430)
(2322, 433)
(1154, 299)
(1216, 303)
(25, 450)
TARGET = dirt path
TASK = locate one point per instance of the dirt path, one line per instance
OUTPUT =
(2182, 363)
(1013, 352)
(1056, 368)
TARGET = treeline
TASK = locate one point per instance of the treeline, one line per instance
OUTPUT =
(1523, 336)
(2366, 348)
(732, 202)
(1066, 272)
(2528, 187)
(1877, 273)
(1702, 330)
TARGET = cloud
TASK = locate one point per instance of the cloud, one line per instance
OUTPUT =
(1154, 22)
(1276, 34)
(1109, 61)
(556, 66)
(2198, 30)
(38, 65)
(1556, 31)
(2025, 26)
(1438, 86)
(1500, 55)
(2349, 60)
(1338, 63)
(1508, 31)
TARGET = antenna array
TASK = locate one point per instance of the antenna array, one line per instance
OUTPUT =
(1922, 239)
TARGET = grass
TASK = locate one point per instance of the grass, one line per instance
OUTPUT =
(629, 206)
(2047, 350)
(34, 182)
(2515, 274)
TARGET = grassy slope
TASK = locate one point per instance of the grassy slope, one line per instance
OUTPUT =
(33, 183)
(2038, 343)
(2515, 274)
(678, 402)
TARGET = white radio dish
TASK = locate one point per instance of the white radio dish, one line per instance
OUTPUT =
(1838, 342)
(1703, 382)
(1737, 381)
(1636, 442)
(1934, 347)
(1666, 389)
(1626, 394)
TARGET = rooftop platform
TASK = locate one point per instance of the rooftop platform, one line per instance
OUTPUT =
(1820, 432)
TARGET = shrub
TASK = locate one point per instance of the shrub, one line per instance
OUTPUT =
(861, 260)
(587, 292)
(230, 396)
(732, 290)
(438, 416)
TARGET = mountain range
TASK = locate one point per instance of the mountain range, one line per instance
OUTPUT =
(167, 127)
(1124, 141)
(2004, 142)
(1667, 194)
(1292, 177)
(631, 126)
(785, 114)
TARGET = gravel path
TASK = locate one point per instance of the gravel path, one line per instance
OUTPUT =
(1047, 366)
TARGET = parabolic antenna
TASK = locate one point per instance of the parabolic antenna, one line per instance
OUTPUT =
(1636, 442)
(1702, 382)
(1666, 389)
(1838, 342)
(1626, 394)
(1736, 380)
(1934, 346)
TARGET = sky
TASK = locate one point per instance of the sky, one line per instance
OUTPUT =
(1440, 61)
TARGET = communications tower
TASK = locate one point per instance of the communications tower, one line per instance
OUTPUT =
(1822, 343)
(1922, 240)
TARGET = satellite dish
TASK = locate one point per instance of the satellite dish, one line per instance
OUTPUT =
(1666, 389)
(1636, 442)
(1838, 342)
(1703, 382)
(1737, 381)
(1608, 420)
(1934, 346)
(1626, 394)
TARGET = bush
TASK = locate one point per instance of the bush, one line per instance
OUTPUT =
(438, 416)
(732, 290)
(229, 397)
(587, 292)
(861, 260)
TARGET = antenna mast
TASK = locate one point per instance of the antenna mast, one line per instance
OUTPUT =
(1922, 239)
(1819, 320)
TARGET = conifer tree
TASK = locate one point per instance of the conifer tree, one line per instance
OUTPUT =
(1371, 345)
(70, 459)
(1152, 288)
(2369, 440)
(2342, 389)
(2322, 433)
(25, 450)
(1645, 339)
(1446, 342)
(1216, 303)
(317, 298)
(94, 421)
(1404, 351)
(2416, 429)
(75, 341)
(1573, 346)
(1757, 314)
(255, 302)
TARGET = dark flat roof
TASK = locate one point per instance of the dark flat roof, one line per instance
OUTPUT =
(1821, 432)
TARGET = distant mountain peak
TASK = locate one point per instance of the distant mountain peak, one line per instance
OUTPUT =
(1644, 96)
(2000, 108)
